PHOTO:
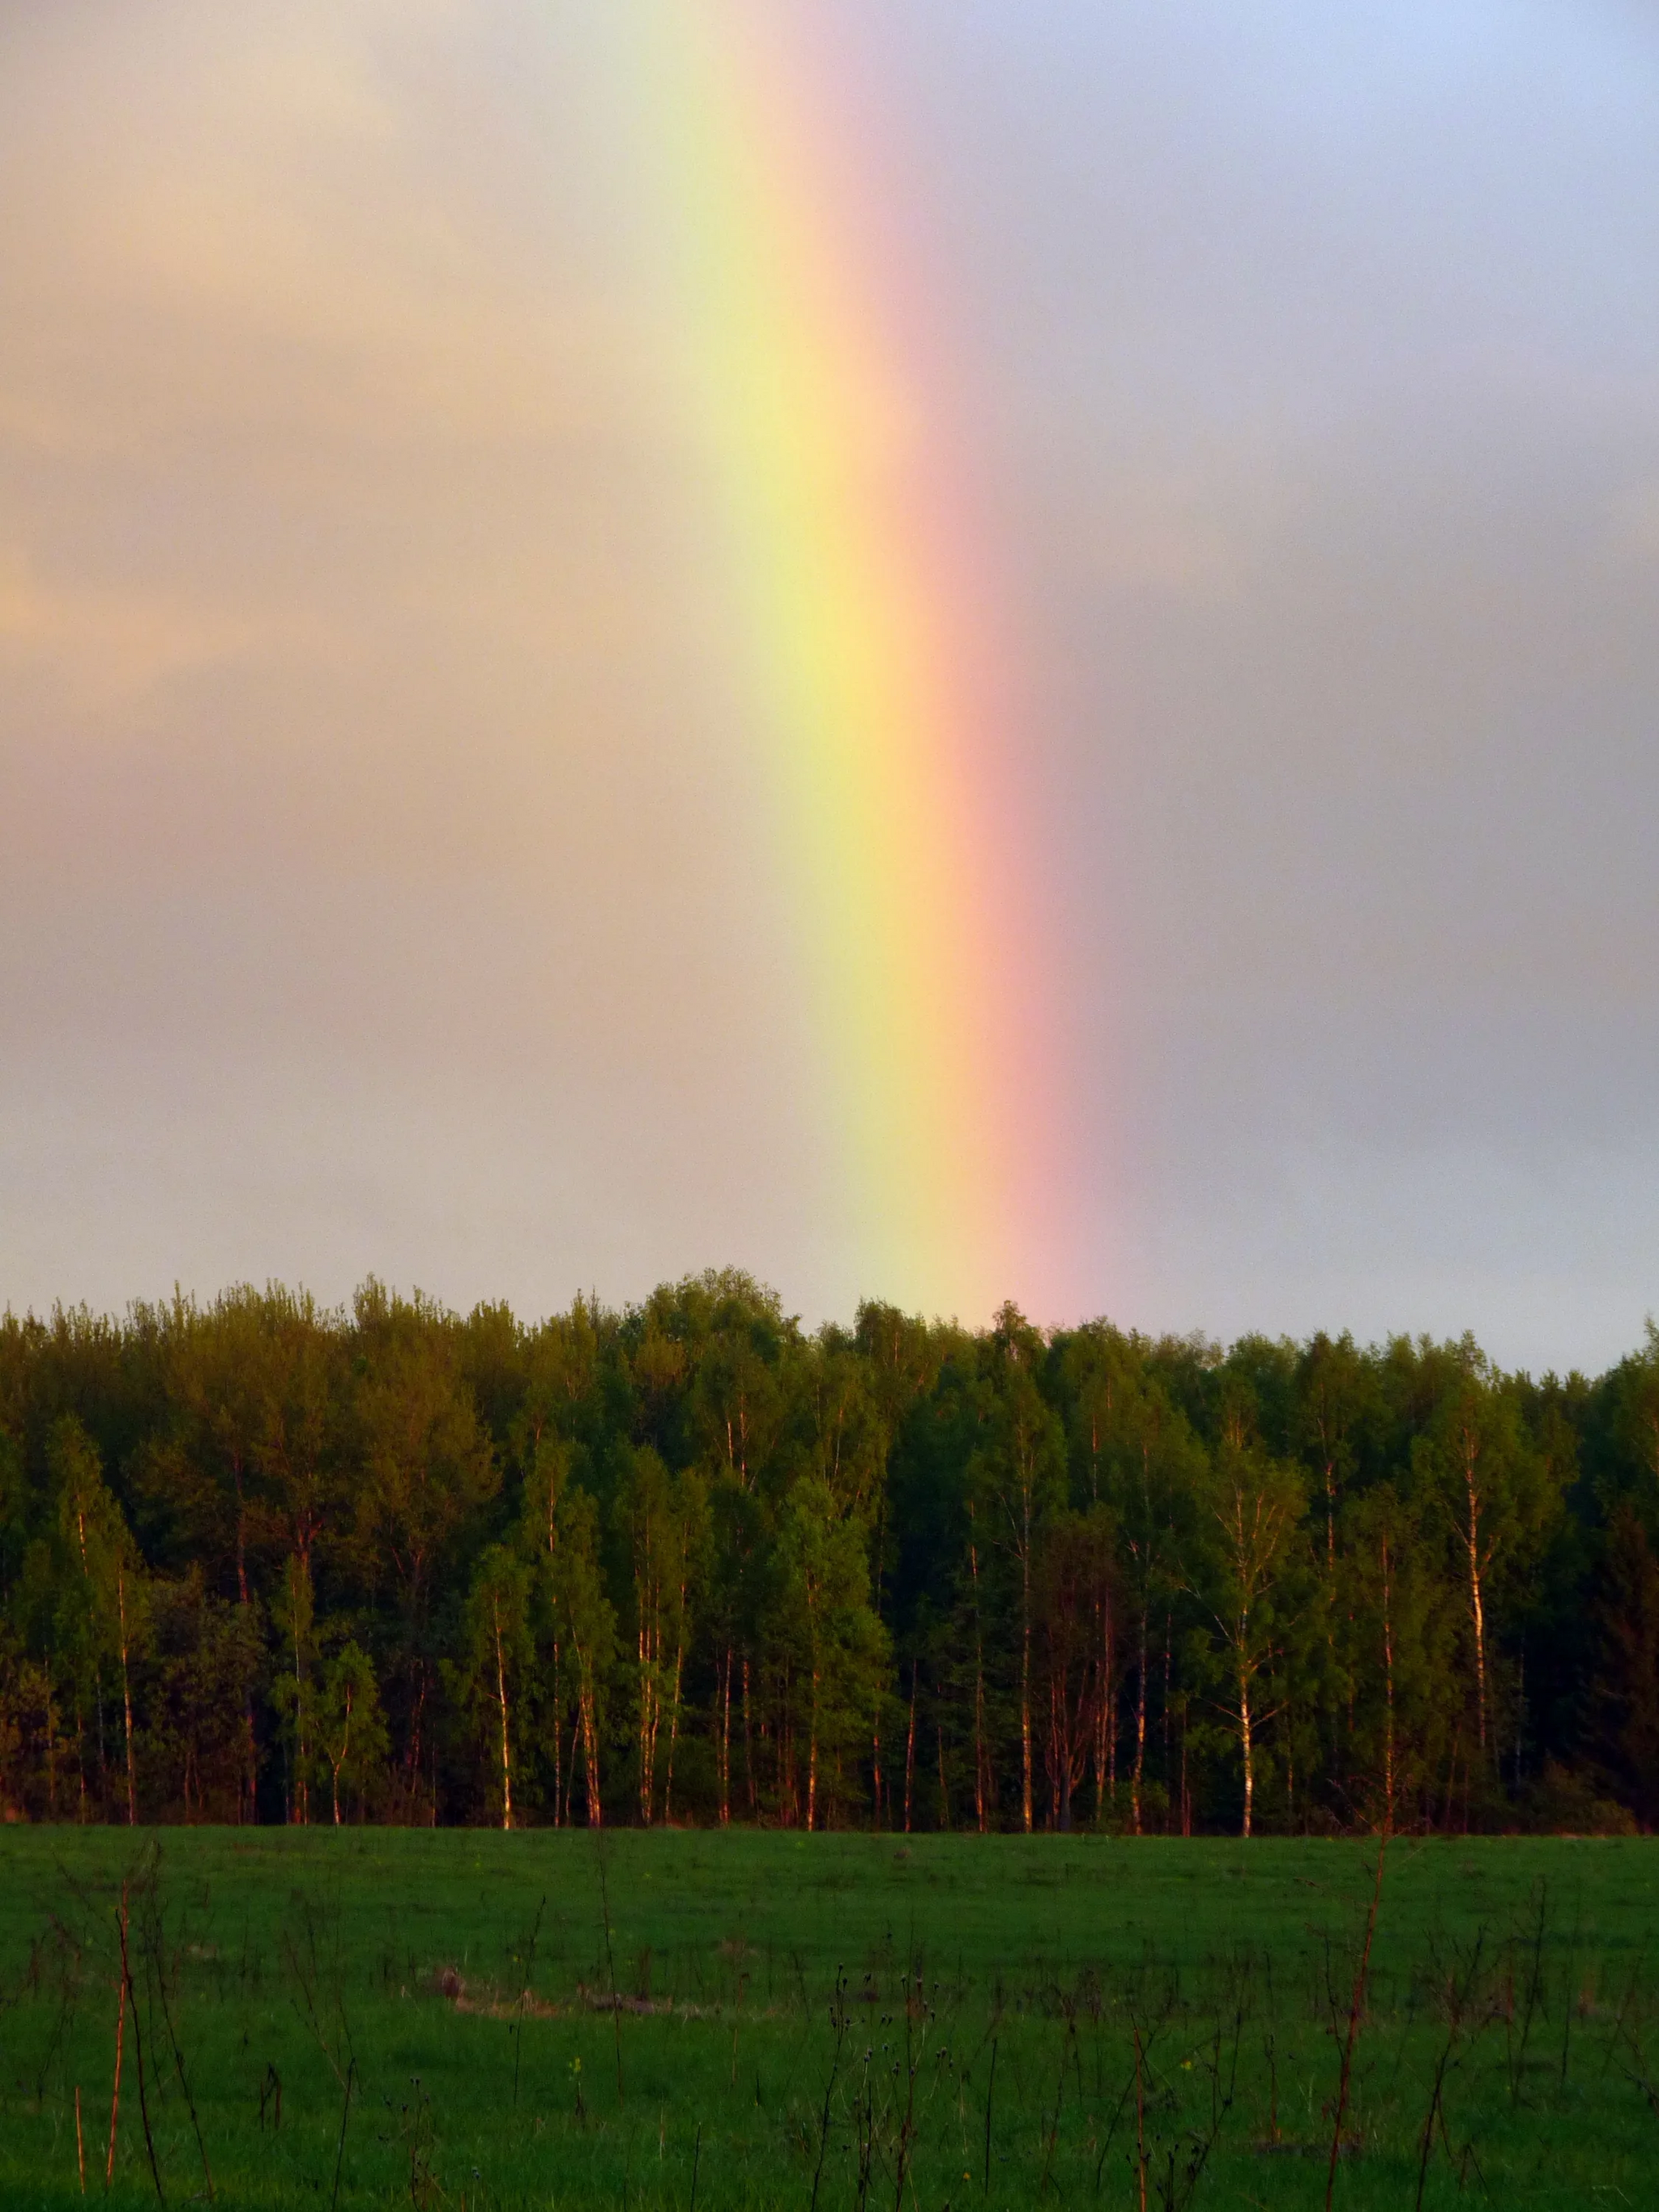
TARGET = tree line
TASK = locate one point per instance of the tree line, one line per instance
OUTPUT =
(688, 1562)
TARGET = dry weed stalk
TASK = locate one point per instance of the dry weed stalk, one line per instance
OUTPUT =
(1356, 2011)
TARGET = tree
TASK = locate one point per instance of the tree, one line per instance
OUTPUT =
(1337, 1390)
(1624, 1699)
(1018, 1479)
(1157, 1470)
(1076, 1606)
(222, 1375)
(824, 1610)
(205, 1660)
(256, 1560)
(292, 1691)
(1255, 1506)
(497, 1630)
(537, 1540)
(296, 1503)
(350, 1728)
(427, 1470)
(427, 1464)
(732, 1605)
(661, 1517)
(585, 1623)
(1639, 1409)
(1493, 1493)
(105, 1612)
(1400, 1621)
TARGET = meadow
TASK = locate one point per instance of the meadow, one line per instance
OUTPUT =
(694, 2019)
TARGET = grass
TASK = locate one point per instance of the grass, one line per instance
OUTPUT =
(375, 2016)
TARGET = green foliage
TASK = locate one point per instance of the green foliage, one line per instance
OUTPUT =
(350, 1728)
(690, 1562)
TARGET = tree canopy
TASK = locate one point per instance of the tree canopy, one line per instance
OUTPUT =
(688, 1562)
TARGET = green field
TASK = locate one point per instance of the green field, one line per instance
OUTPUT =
(825, 2017)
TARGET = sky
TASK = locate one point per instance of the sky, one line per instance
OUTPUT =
(395, 866)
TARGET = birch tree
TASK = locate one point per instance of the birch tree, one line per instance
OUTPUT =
(349, 1727)
(105, 1608)
(586, 1622)
(1255, 1505)
(1496, 1497)
(824, 1608)
(661, 1519)
(1017, 1480)
(498, 1646)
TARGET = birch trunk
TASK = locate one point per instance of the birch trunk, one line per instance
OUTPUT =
(126, 1699)
(674, 1736)
(1478, 1611)
(980, 1790)
(500, 1692)
(910, 1750)
(345, 1746)
(1387, 1686)
(726, 1741)
(590, 1734)
(1026, 1682)
(1140, 1723)
(812, 1760)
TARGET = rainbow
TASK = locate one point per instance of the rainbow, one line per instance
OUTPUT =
(868, 643)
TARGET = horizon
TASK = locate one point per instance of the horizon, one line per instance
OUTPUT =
(1215, 1348)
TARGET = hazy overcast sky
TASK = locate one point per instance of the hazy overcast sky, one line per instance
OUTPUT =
(381, 885)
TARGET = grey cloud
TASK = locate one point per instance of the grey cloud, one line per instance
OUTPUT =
(382, 878)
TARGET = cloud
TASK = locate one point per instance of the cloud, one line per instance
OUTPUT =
(293, 367)
(267, 243)
(1633, 523)
(108, 645)
(376, 786)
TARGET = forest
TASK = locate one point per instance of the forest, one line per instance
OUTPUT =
(690, 1564)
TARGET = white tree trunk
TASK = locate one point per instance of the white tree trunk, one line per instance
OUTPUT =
(500, 1692)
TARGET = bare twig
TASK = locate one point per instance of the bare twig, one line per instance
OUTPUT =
(120, 2038)
(1517, 2055)
(1111, 2132)
(345, 2113)
(154, 1940)
(1568, 2001)
(529, 1967)
(912, 2059)
(990, 2094)
(1624, 2011)
(138, 2053)
(1458, 1999)
(599, 1839)
(1356, 2009)
(838, 2021)
(332, 2032)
